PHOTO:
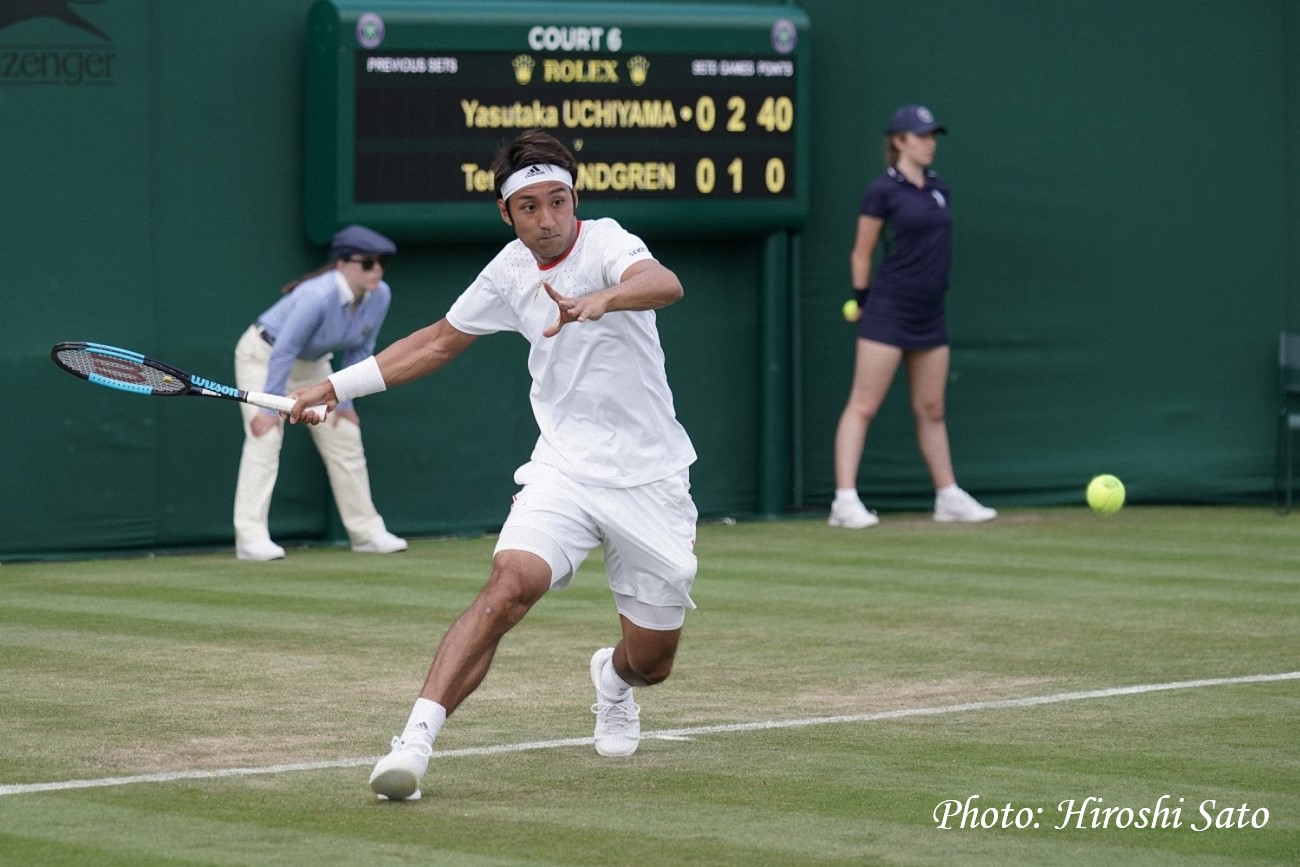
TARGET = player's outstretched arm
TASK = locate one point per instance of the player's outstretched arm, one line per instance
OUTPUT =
(418, 354)
(422, 352)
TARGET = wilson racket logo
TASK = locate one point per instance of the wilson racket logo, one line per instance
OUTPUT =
(214, 386)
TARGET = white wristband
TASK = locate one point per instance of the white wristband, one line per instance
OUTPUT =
(359, 380)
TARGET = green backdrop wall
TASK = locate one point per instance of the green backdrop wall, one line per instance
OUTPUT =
(1125, 191)
(1124, 196)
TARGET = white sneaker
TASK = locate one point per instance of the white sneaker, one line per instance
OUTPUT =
(263, 549)
(618, 723)
(381, 543)
(851, 515)
(959, 507)
(396, 776)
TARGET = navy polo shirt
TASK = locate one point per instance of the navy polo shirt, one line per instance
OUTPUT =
(917, 237)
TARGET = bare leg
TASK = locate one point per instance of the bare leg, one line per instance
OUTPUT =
(642, 658)
(519, 579)
(927, 373)
(873, 371)
(645, 656)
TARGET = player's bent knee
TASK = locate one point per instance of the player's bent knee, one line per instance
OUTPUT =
(521, 574)
(510, 593)
(648, 666)
(500, 612)
(656, 672)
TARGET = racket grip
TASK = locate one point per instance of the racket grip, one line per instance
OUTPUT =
(281, 404)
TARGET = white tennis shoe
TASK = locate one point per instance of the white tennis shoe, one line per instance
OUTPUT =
(397, 776)
(851, 515)
(618, 723)
(959, 507)
(383, 542)
(261, 550)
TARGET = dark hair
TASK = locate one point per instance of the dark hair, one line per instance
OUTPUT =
(891, 149)
(297, 281)
(533, 147)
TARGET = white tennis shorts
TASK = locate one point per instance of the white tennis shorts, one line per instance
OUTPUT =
(648, 534)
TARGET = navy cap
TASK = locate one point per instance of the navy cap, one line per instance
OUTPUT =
(354, 240)
(914, 118)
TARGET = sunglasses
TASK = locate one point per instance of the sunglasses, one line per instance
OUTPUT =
(368, 263)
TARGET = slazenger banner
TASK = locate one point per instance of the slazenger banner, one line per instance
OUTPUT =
(53, 42)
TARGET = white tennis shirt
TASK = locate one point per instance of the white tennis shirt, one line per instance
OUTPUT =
(600, 392)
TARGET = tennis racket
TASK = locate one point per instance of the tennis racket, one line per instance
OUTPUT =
(130, 371)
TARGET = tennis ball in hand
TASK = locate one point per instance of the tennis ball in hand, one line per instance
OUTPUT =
(1105, 494)
(851, 311)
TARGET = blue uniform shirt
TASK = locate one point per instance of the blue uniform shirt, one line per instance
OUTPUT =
(918, 239)
(316, 319)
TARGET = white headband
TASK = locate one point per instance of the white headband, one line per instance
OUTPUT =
(532, 175)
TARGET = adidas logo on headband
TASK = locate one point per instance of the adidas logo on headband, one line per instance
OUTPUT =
(534, 174)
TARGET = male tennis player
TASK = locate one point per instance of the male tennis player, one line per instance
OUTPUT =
(610, 467)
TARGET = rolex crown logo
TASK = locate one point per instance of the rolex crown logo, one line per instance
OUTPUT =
(523, 65)
(637, 67)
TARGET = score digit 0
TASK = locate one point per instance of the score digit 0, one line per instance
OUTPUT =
(774, 175)
(705, 113)
(705, 175)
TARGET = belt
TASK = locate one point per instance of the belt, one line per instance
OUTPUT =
(270, 340)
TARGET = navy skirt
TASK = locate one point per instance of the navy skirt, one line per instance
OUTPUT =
(903, 322)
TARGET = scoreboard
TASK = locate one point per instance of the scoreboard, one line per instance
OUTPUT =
(685, 119)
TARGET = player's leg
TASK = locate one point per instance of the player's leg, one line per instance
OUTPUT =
(544, 541)
(873, 370)
(519, 579)
(644, 657)
(650, 557)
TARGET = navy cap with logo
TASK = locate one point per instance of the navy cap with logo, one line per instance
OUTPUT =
(358, 240)
(915, 119)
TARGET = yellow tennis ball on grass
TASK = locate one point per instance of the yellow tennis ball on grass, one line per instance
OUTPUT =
(1105, 494)
(850, 310)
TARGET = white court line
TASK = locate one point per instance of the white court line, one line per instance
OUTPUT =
(667, 734)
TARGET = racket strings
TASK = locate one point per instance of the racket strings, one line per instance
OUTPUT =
(116, 369)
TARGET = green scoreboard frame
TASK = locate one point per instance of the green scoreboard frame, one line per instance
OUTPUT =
(689, 120)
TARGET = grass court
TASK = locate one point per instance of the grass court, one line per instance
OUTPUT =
(837, 695)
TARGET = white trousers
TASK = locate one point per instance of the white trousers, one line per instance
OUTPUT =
(338, 441)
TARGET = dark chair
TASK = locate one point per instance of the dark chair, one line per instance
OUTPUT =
(1288, 418)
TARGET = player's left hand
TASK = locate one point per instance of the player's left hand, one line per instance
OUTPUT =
(584, 309)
